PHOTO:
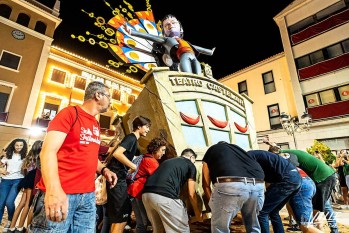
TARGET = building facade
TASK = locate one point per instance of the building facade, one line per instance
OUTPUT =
(37, 79)
(314, 78)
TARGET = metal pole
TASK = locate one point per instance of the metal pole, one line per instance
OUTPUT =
(294, 140)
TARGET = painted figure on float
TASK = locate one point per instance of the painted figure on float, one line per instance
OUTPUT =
(142, 43)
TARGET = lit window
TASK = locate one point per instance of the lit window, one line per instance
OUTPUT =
(327, 96)
(312, 100)
(344, 92)
(58, 76)
(80, 83)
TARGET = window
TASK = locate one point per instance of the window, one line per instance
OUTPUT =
(116, 95)
(104, 121)
(330, 10)
(243, 87)
(40, 27)
(346, 46)
(10, 60)
(58, 76)
(324, 54)
(50, 111)
(317, 56)
(334, 50)
(274, 116)
(3, 101)
(312, 100)
(131, 99)
(23, 19)
(80, 83)
(301, 25)
(327, 96)
(6, 91)
(344, 92)
(5, 11)
(268, 81)
(303, 62)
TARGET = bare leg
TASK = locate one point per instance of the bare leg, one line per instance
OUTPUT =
(25, 208)
(18, 210)
(345, 195)
(118, 227)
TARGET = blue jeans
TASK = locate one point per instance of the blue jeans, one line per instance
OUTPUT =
(8, 193)
(81, 215)
(141, 215)
(330, 217)
(276, 196)
(229, 198)
(301, 203)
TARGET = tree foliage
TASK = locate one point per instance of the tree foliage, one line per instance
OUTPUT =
(325, 151)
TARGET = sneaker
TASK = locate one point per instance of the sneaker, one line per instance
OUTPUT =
(11, 231)
(344, 207)
(293, 228)
(127, 228)
(6, 227)
(21, 231)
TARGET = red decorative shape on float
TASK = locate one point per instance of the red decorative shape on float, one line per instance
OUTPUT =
(345, 93)
(218, 123)
(189, 120)
(240, 128)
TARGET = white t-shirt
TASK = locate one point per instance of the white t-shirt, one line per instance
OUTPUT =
(13, 166)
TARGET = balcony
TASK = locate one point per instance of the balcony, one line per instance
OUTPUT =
(324, 67)
(3, 116)
(41, 122)
(320, 27)
(329, 110)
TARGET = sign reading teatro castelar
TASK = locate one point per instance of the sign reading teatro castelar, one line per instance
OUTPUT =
(208, 85)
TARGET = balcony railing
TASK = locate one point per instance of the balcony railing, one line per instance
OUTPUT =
(335, 109)
(324, 67)
(320, 27)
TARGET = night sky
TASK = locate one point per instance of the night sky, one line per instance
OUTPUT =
(243, 34)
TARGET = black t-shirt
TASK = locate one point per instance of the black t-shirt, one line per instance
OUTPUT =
(130, 144)
(170, 176)
(274, 166)
(226, 159)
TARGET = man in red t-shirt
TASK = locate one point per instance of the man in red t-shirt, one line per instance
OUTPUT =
(69, 161)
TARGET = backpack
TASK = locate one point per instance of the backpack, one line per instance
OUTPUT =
(130, 177)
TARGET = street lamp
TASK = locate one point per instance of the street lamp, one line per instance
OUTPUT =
(291, 124)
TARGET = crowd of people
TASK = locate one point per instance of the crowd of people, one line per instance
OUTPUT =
(57, 179)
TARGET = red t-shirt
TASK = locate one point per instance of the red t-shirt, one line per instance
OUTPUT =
(78, 156)
(146, 168)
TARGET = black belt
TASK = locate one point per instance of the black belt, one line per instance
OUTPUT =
(239, 179)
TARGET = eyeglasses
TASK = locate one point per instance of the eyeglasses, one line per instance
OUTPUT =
(107, 95)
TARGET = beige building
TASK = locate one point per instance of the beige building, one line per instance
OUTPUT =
(37, 79)
(312, 75)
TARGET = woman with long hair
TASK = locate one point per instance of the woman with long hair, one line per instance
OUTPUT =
(27, 184)
(13, 160)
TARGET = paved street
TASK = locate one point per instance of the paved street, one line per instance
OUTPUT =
(238, 227)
